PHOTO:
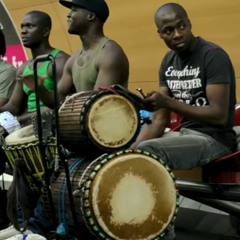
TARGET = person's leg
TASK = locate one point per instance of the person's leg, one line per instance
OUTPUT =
(186, 149)
(40, 223)
(4, 221)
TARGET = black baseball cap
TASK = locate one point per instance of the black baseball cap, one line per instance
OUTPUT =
(99, 7)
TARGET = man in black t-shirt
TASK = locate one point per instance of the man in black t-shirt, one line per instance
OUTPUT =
(197, 82)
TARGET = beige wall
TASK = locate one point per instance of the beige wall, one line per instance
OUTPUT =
(131, 24)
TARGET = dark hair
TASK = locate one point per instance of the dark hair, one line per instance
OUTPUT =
(176, 7)
(2, 44)
(43, 17)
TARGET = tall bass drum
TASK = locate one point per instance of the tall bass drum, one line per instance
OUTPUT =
(101, 119)
(126, 195)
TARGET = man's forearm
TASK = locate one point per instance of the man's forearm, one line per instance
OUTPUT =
(25, 119)
(47, 97)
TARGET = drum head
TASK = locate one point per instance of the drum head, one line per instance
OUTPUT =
(134, 197)
(113, 122)
(21, 136)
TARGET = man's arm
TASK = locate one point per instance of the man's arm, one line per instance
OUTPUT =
(64, 86)
(216, 112)
(60, 62)
(7, 77)
(113, 66)
(159, 121)
(17, 103)
(63, 78)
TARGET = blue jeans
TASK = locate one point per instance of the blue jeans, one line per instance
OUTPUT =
(184, 150)
(39, 224)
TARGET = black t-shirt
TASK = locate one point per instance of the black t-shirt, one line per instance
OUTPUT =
(187, 78)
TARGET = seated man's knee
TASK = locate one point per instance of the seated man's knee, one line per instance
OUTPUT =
(145, 146)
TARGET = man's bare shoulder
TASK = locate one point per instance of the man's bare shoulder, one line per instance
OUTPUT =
(113, 46)
(73, 57)
(113, 52)
(62, 55)
(71, 60)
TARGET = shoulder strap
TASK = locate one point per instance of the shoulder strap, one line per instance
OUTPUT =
(102, 43)
(55, 52)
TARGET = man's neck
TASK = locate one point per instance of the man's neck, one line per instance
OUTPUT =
(91, 39)
(186, 53)
(41, 51)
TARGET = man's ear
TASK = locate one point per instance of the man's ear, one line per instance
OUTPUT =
(91, 16)
(159, 33)
(190, 24)
(46, 31)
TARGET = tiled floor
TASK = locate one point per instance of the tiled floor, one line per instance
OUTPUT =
(196, 221)
(195, 235)
(191, 204)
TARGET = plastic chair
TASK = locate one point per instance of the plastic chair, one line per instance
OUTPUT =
(175, 122)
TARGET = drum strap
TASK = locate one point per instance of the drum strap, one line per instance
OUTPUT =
(24, 192)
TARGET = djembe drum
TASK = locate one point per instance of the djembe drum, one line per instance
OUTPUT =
(23, 144)
(103, 119)
(126, 195)
(8, 124)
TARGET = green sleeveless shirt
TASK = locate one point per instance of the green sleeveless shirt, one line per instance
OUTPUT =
(84, 78)
(48, 83)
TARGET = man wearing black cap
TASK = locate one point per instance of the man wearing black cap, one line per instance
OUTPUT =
(98, 7)
(100, 63)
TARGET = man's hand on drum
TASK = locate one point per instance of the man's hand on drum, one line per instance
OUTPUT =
(30, 82)
(154, 101)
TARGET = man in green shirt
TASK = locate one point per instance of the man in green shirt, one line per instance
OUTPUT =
(35, 32)
(36, 27)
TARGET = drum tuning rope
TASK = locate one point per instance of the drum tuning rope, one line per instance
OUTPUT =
(110, 88)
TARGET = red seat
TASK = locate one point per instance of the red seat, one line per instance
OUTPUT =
(225, 170)
(175, 122)
(237, 114)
